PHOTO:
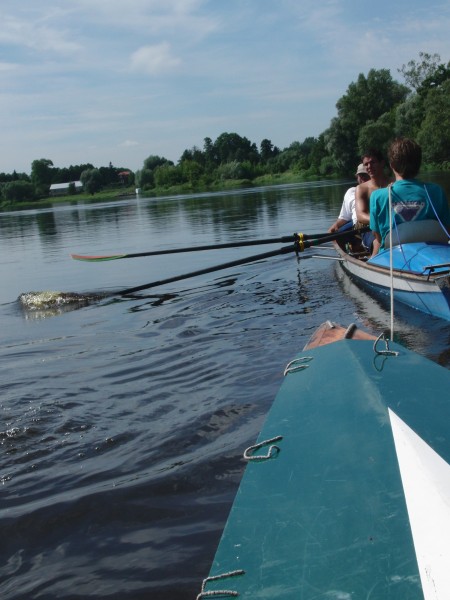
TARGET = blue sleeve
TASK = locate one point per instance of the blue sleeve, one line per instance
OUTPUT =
(445, 210)
(440, 202)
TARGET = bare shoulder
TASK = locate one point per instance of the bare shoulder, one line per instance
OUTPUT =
(363, 189)
(376, 185)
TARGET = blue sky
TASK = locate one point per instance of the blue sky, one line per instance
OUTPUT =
(101, 80)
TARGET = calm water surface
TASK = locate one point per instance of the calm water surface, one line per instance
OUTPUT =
(123, 422)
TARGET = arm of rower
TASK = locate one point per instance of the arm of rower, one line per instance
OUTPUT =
(362, 205)
(336, 225)
(376, 244)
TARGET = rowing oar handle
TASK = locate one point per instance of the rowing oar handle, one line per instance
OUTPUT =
(302, 242)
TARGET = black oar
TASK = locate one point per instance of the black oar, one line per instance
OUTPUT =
(299, 246)
(295, 237)
(227, 265)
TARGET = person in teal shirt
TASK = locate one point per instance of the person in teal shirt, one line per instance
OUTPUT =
(412, 199)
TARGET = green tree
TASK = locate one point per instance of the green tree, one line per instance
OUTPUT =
(370, 97)
(68, 174)
(287, 158)
(14, 176)
(341, 145)
(91, 180)
(236, 170)
(153, 161)
(231, 146)
(41, 175)
(208, 151)
(267, 150)
(193, 154)
(416, 73)
(145, 177)
(434, 134)
(425, 115)
(310, 153)
(41, 171)
(409, 116)
(327, 166)
(377, 134)
(318, 156)
(191, 171)
(365, 100)
(168, 175)
(18, 191)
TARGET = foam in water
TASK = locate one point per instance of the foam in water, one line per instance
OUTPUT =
(38, 305)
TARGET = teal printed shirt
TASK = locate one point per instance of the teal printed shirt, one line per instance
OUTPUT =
(410, 202)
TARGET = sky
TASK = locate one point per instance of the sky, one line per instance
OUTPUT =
(100, 81)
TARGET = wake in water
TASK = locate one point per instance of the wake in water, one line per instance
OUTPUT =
(49, 303)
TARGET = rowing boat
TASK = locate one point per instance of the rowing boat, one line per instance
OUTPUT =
(346, 492)
(421, 274)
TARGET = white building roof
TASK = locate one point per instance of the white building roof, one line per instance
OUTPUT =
(63, 186)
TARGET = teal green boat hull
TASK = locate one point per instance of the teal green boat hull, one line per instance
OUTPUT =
(325, 515)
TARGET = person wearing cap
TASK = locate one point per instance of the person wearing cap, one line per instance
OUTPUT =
(347, 216)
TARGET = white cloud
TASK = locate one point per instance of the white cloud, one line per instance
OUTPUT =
(7, 66)
(154, 60)
(87, 73)
(153, 17)
(33, 34)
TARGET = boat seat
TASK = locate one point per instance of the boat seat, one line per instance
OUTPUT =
(427, 230)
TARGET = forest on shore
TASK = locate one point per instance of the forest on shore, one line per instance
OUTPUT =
(375, 109)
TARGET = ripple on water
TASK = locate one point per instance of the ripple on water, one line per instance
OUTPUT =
(127, 426)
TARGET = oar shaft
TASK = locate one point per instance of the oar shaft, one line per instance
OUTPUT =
(280, 240)
(227, 265)
(287, 239)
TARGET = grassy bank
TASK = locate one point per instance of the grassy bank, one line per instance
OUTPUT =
(111, 195)
(104, 196)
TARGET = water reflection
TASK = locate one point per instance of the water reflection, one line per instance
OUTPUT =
(125, 421)
(423, 333)
(47, 225)
(236, 211)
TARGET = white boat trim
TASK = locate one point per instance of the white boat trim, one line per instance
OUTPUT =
(427, 292)
(403, 281)
(426, 483)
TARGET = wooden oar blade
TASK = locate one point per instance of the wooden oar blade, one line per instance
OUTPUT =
(97, 258)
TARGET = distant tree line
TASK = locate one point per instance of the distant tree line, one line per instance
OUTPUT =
(375, 109)
(19, 187)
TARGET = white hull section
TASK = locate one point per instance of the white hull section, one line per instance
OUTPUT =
(430, 295)
(383, 279)
(426, 483)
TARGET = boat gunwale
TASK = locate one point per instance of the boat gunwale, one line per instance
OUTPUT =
(400, 274)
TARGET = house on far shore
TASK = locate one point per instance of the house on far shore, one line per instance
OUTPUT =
(60, 189)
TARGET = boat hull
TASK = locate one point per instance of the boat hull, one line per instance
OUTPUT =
(426, 291)
(325, 516)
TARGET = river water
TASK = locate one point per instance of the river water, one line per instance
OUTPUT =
(123, 422)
